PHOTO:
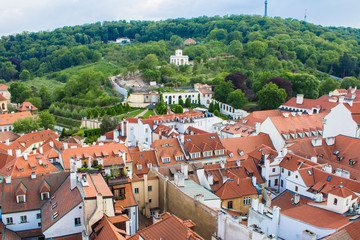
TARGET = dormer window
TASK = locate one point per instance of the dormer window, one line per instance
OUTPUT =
(179, 158)
(33, 168)
(139, 167)
(286, 136)
(45, 195)
(195, 155)
(21, 198)
(207, 153)
(166, 160)
(219, 152)
(21, 169)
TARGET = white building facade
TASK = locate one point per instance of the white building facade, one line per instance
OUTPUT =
(179, 59)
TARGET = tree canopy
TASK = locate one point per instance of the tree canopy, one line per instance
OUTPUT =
(271, 97)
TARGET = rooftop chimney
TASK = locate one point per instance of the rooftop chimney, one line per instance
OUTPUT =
(10, 152)
(299, 99)
(238, 163)
(268, 199)
(296, 199)
(25, 156)
(33, 175)
(41, 150)
(18, 152)
(7, 142)
(52, 144)
(185, 170)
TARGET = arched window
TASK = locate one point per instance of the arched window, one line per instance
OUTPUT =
(335, 201)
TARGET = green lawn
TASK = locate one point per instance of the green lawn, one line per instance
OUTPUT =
(150, 112)
(131, 114)
(250, 107)
(103, 66)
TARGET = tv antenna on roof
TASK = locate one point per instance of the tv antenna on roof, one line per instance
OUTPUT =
(305, 15)
(265, 15)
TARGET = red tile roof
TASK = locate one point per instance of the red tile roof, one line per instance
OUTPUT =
(129, 199)
(296, 124)
(317, 217)
(169, 228)
(241, 146)
(143, 158)
(19, 167)
(168, 148)
(97, 185)
(96, 151)
(343, 192)
(63, 204)
(166, 131)
(27, 106)
(236, 188)
(33, 197)
(3, 87)
(350, 232)
(10, 118)
(2, 98)
(259, 116)
(105, 230)
(8, 135)
(203, 142)
(192, 131)
(347, 147)
(238, 128)
(324, 106)
(189, 41)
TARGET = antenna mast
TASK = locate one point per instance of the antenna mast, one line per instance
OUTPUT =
(265, 15)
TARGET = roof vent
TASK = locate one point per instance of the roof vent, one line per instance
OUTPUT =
(286, 115)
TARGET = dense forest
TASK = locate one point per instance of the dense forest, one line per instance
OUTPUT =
(253, 49)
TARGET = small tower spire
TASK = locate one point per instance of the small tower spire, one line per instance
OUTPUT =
(265, 15)
(305, 15)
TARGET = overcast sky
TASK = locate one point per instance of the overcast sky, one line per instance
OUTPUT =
(17, 16)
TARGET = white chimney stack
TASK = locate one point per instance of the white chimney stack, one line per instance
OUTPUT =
(18, 152)
(10, 152)
(33, 175)
(7, 142)
(211, 179)
(299, 99)
(41, 150)
(25, 156)
(185, 170)
(296, 198)
(51, 144)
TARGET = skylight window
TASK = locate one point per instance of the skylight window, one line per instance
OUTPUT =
(309, 172)
(329, 178)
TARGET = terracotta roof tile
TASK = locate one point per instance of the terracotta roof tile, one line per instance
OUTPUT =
(105, 230)
(168, 148)
(195, 143)
(59, 203)
(259, 116)
(96, 151)
(3, 87)
(236, 188)
(27, 106)
(33, 198)
(241, 146)
(169, 228)
(317, 217)
(10, 118)
(129, 199)
(324, 106)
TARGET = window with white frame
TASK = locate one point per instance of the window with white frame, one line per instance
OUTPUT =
(139, 167)
(207, 153)
(195, 155)
(166, 160)
(247, 200)
(23, 219)
(219, 152)
(20, 198)
(9, 221)
(45, 195)
(179, 158)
